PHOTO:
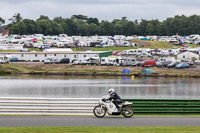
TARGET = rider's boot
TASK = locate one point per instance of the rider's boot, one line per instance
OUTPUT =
(119, 107)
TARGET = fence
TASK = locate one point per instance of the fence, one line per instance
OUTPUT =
(84, 106)
(47, 106)
(164, 106)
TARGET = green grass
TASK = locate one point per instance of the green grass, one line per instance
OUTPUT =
(146, 44)
(77, 49)
(159, 45)
(35, 49)
(99, 129)
(111, 48)
(4, 71)
(12, 66)
(193, 46)
(9, 51)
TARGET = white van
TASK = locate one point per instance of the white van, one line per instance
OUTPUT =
(4, 59)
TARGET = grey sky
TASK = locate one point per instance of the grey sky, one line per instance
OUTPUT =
(102, 9)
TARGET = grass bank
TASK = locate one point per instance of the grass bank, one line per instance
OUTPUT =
(58, 69)
(141, 44)
(4, 71)
(17, 68)
(99, 129)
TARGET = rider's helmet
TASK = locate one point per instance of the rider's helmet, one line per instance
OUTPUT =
(111, 91)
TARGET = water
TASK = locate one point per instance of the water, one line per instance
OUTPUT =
(95, 87)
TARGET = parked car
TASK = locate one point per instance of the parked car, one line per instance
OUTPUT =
(13, 59)
(76, 62)
(137, 63)
(51, 60)
(191, 63)
(182, 65)
(163, 63)
(173, 64)
(149, 63)
(65, 61)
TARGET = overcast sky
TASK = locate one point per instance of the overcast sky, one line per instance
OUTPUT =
(102, 9)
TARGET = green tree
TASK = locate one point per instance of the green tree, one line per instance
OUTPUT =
(30, 26)
(93, 20)
(42, 17)
(56, 28)
(16, 18)
(93, 29)
(58, 20)
(153, 27)
(44, 27)
(118, 28)
(2, 21)
(129, 28)
(143, 27)
(81, 17)
(18, 28)
(106, 28)
(71, 27)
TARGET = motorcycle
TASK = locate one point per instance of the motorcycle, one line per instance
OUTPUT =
(107, 106)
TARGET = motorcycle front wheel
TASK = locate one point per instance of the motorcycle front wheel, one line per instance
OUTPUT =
(127, 111)
(99, 112)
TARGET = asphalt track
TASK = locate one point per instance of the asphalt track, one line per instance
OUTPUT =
(90, 121)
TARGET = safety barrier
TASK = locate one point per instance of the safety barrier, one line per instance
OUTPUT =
(84, 106)
(47, 106)
(164, 106)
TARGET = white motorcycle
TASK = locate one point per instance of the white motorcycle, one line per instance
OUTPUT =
(107, 106)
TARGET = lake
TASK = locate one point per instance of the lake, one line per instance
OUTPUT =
(97, 86)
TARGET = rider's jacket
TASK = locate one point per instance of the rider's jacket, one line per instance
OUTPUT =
(115, 97)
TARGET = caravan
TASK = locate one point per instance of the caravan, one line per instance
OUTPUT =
(112, 60)
(90, 60)
(129, 61)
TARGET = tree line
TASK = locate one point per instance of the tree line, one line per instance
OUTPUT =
(87, 26)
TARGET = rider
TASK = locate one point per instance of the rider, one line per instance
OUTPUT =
(116, 98)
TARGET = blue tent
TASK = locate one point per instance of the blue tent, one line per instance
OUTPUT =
(126, 71)
(146, 71)
(144, 39)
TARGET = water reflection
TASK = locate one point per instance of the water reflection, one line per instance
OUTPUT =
(93, 87)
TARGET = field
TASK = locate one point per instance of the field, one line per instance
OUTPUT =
(141, 44)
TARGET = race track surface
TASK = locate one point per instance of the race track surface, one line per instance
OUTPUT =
(91, 121)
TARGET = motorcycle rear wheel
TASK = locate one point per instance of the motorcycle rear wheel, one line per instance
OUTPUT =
(127, 111)
(99, 112)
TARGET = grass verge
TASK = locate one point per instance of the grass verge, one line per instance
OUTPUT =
(100, 129)
(16, 67)
(35, 49)
(3, 71)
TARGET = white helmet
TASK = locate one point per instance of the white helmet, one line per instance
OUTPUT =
(111, 91)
